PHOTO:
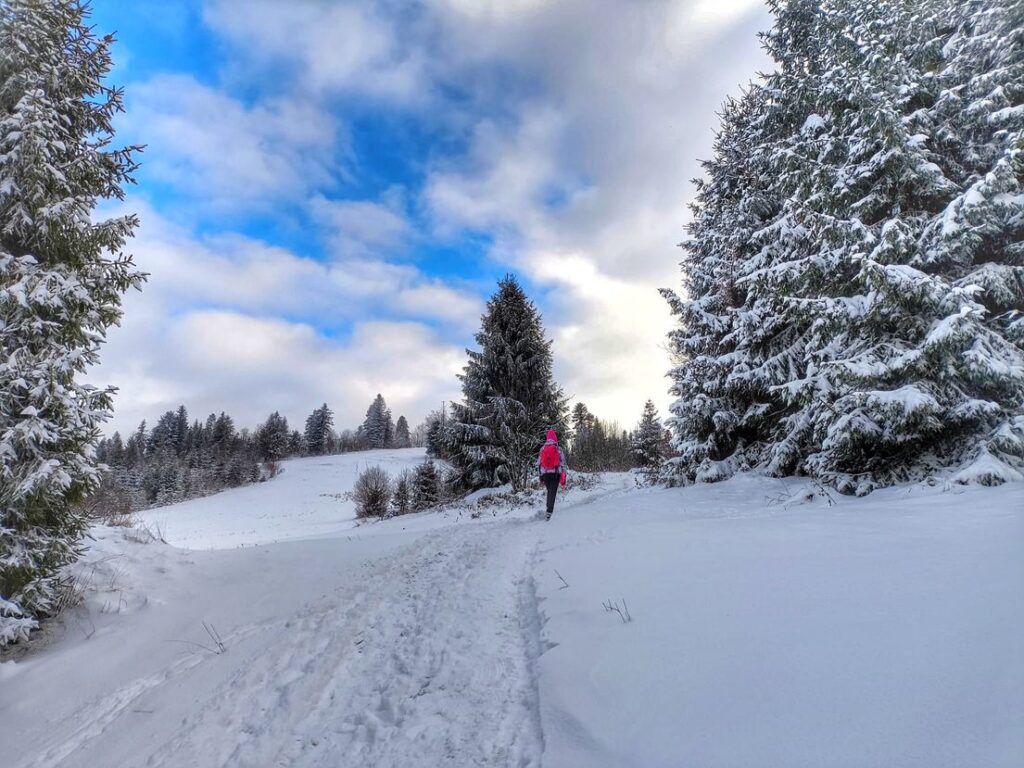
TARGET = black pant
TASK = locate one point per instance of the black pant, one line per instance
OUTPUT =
(551, 482)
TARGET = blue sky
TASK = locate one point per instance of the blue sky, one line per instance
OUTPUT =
(330, 190)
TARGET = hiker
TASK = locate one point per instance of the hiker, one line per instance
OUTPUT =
(552, 466)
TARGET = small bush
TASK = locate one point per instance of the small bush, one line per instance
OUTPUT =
(109, 504)
(372, 493)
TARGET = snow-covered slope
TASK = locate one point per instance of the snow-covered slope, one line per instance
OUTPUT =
(308, 499)
(774, 630)
(768, 628)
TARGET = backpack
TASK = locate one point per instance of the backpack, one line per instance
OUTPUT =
(549, 457)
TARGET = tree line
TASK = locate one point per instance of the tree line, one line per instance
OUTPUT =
(179, 459)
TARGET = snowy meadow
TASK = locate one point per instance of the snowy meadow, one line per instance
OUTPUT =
(759, 622)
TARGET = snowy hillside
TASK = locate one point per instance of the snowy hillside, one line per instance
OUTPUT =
(308, 499)
(770, 626)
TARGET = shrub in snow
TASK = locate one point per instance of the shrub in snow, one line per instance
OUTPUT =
(855, 272)
(372, 493)
(62, 278)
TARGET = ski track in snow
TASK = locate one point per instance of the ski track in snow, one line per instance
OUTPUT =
(429, 660)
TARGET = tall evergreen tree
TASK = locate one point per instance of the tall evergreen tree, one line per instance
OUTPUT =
(648, 442)
(181, 430)
(377, 429)
(426, 486)
(402, 437)
(114, 455)
(852, 275)
(433, 429)
(295, 443)
(582, 420)
(60, 287)
(510, 396)
(389, 429)
(319, 435)
(273, 437)
(402, 494)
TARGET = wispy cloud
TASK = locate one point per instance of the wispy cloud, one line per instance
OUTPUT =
(203, 141)
(329, 46)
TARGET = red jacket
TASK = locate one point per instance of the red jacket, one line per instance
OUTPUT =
(561, 468)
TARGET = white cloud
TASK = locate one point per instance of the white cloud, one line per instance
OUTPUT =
(230, 323)
(201, 140)
(251, 276)
(333, 45)
(604, 347)
(361, 228)
(442, 301)
(504, 180)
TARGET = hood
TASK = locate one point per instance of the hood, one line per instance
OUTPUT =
(552, 436)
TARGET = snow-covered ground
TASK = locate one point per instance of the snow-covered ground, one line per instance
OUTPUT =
(769, 628)
(308, 499)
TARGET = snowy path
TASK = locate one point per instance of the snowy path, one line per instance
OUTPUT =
(425, 655)
(430, 663)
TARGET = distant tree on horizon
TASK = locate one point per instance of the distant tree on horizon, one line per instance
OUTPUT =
(402, 437)
(319, 434)
(377, 429)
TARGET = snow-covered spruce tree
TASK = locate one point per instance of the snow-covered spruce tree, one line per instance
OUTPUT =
(62, 278)
(918, 372)
(510, 396)
(295, 443)
(433, 430)
(731, 347)
(377, 429)
(402, 437)
(976, 245)
(389, 429)
(426, 486)
(827, 334)
(272, 438)
(402, 494)
(319, 433)
(648, 441)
